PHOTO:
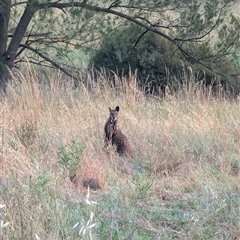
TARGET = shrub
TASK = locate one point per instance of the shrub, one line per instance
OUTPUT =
(70, 157)
(157, 60)
(129, 47)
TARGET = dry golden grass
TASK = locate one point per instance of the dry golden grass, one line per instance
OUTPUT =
(38, 119)
(185, 143)
(166, 133)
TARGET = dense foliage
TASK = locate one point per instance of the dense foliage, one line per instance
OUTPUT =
(158, 61)
(128, 47)
(49, 33)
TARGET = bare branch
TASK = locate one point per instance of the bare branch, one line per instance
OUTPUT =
(205, 34)
(19, 33)
(19, 3)
(49, 60)
(115, 4)
(140, 38)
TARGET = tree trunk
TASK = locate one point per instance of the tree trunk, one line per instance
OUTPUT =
(5, 7)
(8, 56)
(4, 76)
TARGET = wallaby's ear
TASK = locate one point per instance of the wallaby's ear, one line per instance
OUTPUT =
(117, 108)
(110, 109)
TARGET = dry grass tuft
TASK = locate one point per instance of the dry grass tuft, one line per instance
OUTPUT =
(92, 168)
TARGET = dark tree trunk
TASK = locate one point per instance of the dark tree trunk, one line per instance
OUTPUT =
(5, 7)
(4, 76)
(8, 54)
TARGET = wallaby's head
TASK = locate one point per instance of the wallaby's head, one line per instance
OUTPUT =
(113, 114)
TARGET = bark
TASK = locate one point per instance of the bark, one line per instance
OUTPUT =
(9, 55)
(5, 7)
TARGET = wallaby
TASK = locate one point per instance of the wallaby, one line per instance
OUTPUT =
(114, 136)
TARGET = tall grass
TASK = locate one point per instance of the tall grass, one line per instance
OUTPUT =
(182, 181)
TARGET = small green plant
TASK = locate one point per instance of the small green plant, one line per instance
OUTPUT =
(42, 182)
(143, 185)
(39, 187)
(70, 157)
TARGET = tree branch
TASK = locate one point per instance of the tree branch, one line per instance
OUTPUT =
(205, 34)
(18, 3)
(19, 33)
(140, 38)
(49, 60)
(149, 27)
(154, 30)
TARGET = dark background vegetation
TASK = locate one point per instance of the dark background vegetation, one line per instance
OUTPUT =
(158, 62)
(159, 39)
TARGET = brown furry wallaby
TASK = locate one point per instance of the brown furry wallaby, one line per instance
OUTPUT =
(114, 136)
